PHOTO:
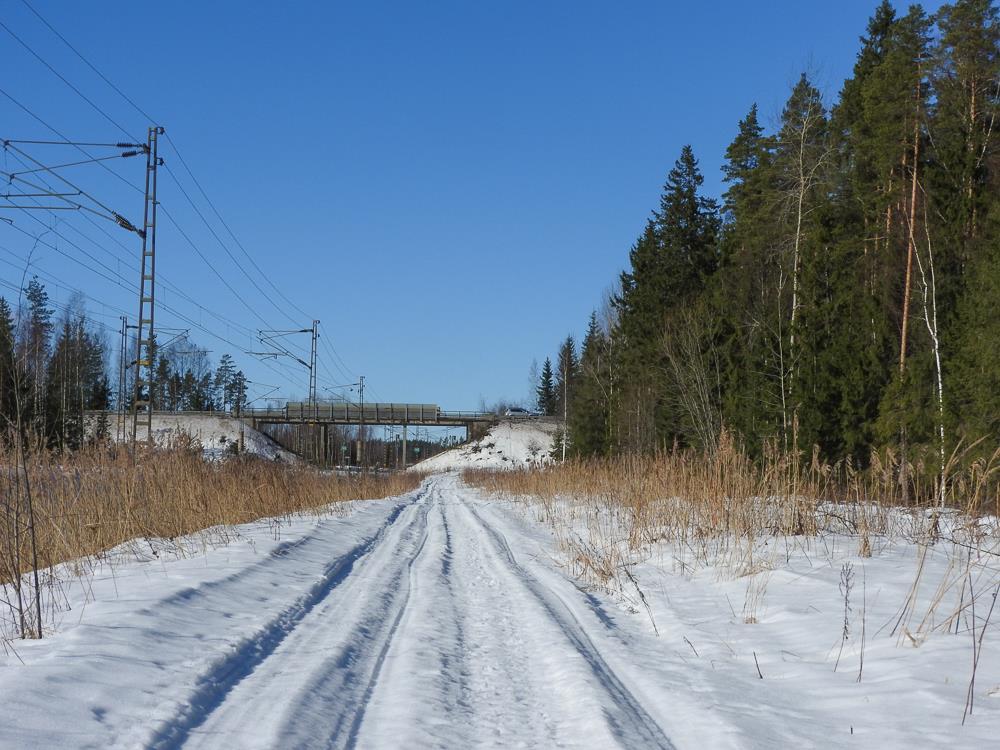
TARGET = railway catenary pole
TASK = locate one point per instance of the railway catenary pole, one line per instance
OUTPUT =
(313, 405)
(312, 368)
(145, 342)
(120, 406)
(361, 422)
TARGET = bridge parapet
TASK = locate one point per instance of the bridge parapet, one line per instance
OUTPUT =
(371, 413)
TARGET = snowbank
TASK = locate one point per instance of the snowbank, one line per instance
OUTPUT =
(216, 434)
(509, 445)
(800, 641)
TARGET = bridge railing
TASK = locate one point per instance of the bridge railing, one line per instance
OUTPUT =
(373, 413)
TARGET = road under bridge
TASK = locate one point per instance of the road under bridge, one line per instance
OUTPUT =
(373, 414)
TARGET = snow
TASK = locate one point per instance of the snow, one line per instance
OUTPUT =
(513, 444)
(445, 618)
(215, 433)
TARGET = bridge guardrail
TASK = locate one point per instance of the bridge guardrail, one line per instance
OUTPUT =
(297, 411)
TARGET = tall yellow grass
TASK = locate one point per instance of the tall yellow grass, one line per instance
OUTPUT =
(723, 506)
(92, 500)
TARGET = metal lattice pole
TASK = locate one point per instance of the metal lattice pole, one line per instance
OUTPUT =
(122, 368)
(145, 348)
(312, 367)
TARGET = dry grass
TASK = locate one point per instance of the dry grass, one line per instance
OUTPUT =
(687, 496)
(88, 502)
(725, 510)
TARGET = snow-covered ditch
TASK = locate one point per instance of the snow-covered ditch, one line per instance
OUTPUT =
(802, 641)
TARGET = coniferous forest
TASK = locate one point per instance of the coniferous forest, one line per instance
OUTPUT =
(843, 296)
(56, 367)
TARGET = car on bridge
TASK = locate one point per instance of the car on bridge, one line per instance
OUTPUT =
(516, 412)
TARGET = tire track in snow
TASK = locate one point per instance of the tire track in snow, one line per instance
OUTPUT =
(460, 694)
(422, 696)
(629, 721)
(352, 737)
(214, 685)
(343, 686)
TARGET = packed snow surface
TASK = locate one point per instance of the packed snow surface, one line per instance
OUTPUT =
(443, 619)
(513, 444)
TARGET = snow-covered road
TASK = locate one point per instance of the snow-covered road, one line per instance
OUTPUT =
(436, 637)
(429, 621)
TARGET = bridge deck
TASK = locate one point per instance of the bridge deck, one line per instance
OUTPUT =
(423, 415)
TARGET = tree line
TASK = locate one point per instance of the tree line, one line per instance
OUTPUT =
(843, 294)
(55, 369)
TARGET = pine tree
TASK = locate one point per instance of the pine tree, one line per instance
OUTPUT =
(845, 300)
(76, 381)
(965, 194)
(800, 153)
(238, 392)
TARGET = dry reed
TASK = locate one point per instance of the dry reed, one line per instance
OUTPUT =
(90, 501)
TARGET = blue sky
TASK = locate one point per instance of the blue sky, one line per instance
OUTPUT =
(449, 187)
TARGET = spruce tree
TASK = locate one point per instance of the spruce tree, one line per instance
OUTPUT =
(588, 413)
(546, 390)
(741, 298)
(35, 352)
(8, 371)
(566, 376)
(223, 382)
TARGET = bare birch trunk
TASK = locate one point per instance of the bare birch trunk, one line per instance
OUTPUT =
(910, 248)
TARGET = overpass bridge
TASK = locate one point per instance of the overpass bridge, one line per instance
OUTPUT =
(374, 414)
(369, 414)
(323, 415)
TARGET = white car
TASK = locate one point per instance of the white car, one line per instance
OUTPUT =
(516, 412)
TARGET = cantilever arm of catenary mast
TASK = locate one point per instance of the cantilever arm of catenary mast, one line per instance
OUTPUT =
(280, 354)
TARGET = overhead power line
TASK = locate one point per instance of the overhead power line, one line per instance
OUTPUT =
(87, 62)
(338, 361)
(28, 111)
(59, 75)
(235, 239)
(223, 245)
(173, 145)
(130, 259)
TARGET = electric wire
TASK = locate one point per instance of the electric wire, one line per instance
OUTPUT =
(117, 279)
(66, 140)
(176, 151)
(8, 144)
(87, 62)
(167, 284)
(170, 218)
(223, 245)
(214, 270)
(59, 75)
(235, 239)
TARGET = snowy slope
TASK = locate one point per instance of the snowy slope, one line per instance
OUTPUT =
(216, 434)
(508, 445)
